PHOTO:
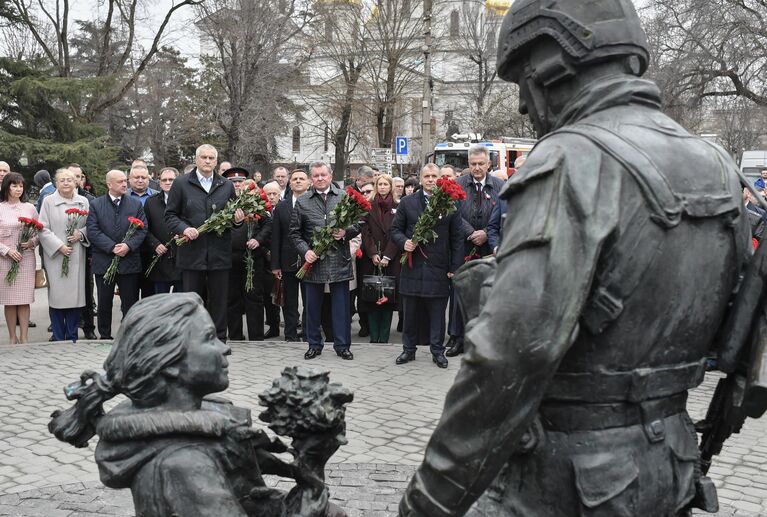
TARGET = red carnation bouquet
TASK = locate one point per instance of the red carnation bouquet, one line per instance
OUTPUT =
(252, 201)
(135, 224)
(29, 228)
(74, 216)
(441, 204)
(350, 210)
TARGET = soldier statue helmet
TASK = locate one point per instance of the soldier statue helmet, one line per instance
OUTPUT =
(617, 264)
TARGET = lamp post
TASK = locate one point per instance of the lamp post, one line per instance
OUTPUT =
(426, 144)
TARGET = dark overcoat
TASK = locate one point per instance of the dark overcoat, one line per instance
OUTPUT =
(165, 270)
(285, 256)
(475, 212)
(376, 240)
(262, 232)
(432, 261)
(309, 215)
(107, 225)
(189, 206)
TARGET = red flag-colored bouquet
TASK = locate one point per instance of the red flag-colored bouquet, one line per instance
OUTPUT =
(441, 204)
(135, 224)
(350, 210)
(74, 216)
(29, 228)
(252, 201)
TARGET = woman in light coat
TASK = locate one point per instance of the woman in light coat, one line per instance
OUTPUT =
(66, 294)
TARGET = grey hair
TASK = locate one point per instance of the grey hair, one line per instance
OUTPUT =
(430, 166)
(365, 171)
(172, 169)
(206, 147)
(320, 163)
(479, 149)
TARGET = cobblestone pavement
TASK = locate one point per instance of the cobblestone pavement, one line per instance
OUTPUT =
(389, 422)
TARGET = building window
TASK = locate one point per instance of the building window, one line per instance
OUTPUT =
(491, 41)
(296, 139)
(454, 23)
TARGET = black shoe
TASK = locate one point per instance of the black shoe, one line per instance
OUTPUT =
(345, 355)
(312, 353)
(89, 334)
(51, 339)
(272, 332)
(405, 357)
(293, 339)
(451, 342)
(364, 332)
(50, 328)
(106, 337)
(32, 324)
(456, 350)
(439, 360)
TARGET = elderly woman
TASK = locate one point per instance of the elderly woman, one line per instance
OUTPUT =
(18, 296)
(179, 452)
(66, 292)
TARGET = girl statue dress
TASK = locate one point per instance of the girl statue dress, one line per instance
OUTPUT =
(182, 452)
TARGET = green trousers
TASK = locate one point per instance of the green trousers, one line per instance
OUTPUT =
(380, 326)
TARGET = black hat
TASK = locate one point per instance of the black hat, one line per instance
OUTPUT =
(236, 174)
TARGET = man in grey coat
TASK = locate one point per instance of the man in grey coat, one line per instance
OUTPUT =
(312, 211)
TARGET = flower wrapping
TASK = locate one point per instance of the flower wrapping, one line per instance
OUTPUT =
(74, 216)
(442, 202)
(351, 209)
(29, 228)
(253, 201)
(135, 224)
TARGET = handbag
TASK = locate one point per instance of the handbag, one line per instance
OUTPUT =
(41, 279)
(278, 293)
(377, 287)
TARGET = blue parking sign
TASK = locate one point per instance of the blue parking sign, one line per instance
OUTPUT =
(400, 144)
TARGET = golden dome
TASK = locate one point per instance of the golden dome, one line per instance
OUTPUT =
(499, 7)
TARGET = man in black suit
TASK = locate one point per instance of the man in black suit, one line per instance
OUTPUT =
(286, 260)
(482, 195)
(164, 275)
(205, 260)
(425, 286)
(107, 225)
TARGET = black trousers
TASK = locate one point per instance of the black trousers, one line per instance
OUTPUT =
(272, 311)
(250, 303)
(415, 310)
(291, 285)
(128, 285)
(216, 285)
(86, 313)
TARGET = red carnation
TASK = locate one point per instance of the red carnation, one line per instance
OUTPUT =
(70, 211)
(138, 223)
(252, 186)
(358, 253)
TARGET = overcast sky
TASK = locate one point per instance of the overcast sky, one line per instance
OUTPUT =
(181, 32)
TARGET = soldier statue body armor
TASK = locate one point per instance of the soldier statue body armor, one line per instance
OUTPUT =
(624, 241)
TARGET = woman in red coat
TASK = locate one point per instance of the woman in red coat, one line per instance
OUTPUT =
(381, 256)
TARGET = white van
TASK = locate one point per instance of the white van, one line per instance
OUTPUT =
(752, 163)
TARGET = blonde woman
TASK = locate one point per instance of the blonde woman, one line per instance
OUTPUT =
(380, 255)
(66, 293)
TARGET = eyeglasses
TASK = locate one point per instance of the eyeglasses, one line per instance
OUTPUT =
(167, 180)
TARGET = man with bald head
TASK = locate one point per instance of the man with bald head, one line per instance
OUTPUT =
(107, 225)
(4, 169)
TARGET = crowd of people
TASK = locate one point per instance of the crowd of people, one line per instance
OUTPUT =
(125, 245)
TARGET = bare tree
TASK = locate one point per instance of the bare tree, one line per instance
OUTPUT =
(712, 48)
(340, 39)
(395, 36)
(258, 52)
(49, 24)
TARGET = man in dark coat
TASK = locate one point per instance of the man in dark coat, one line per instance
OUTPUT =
(314, 210)
(205, 260)
(107, 225)
(624, 241)
(285, 258)
(241, 300)
(427, 283)
(165, 275)
(482, 196)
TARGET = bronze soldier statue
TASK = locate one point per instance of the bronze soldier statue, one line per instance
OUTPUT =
(623, 245)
